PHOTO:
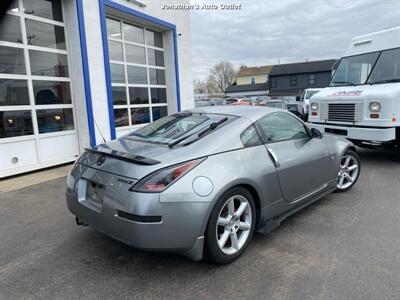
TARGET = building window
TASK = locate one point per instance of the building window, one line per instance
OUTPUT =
(253, 80)
(311, 79)
(273, 82)
(35, 92)
(293, 80)
(137, 70)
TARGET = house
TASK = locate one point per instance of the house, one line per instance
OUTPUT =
(292, 79)
(77, 72)
(250, 81)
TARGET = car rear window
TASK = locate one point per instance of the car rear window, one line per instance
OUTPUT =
(177, 126)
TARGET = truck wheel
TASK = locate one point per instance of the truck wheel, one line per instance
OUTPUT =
(350, 167)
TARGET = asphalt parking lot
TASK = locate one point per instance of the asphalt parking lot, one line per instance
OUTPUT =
(345, 246)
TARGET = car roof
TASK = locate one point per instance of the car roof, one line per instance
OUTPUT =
(253, 113)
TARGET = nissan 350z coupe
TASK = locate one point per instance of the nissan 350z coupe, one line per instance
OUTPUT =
(200, 182)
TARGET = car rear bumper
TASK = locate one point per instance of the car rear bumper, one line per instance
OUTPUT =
(146, 223)
(358, 133)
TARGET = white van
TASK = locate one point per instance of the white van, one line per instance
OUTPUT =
(362, 101)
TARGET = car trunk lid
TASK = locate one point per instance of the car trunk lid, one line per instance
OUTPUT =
(124, 158)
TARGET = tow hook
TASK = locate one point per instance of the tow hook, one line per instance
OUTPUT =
(80, 222)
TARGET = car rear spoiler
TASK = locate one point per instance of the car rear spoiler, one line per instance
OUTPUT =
(137, 159)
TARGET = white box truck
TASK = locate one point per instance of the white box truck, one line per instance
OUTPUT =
(362, 101)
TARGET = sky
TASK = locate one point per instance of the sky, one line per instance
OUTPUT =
(265, 32)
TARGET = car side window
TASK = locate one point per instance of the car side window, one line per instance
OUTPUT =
(281, 126)
(250, 137)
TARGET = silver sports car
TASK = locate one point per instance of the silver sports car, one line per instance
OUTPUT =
(203, 180)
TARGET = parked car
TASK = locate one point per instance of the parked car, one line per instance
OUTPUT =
(246, 101)
(201, 103)
(296, 108)
(263, 98)
(288, 99)
(175, 185)
(276, 103)
(217, 101)
(231, 100)
(305, 98)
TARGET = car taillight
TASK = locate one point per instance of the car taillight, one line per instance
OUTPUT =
(160, 180)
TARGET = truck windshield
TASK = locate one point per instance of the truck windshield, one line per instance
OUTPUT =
(354, 69)
(387, 68)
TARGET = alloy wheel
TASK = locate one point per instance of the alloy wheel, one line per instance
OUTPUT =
(348, 172)
(234, 224)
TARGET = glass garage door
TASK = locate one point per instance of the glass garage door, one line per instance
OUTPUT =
(137, 70)
(36, 109)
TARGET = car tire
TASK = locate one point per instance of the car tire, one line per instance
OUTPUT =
(350, 167)
(235, 224)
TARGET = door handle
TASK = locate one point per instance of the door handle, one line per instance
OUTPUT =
(274, 157)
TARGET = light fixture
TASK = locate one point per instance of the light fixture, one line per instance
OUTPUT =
(160, 180)
(314, 106)
(140, 4)
(374, 106)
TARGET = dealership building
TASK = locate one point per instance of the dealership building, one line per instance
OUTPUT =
(74, 73)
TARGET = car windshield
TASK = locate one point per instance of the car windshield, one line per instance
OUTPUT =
(172, 127)
(276, 104)
(387, 68)
(354, 69)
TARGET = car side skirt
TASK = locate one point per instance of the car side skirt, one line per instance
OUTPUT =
(275, 222)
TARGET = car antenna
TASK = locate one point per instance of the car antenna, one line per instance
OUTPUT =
(98, 128)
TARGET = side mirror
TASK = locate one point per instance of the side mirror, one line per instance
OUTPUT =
(298, 98)
(315, 133)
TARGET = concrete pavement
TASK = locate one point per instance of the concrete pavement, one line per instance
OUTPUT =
(21, 181)
(345, 246)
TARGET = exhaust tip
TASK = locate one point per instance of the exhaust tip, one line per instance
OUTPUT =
(79, 222)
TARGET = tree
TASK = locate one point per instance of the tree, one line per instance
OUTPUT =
(223, 74)
(219, 78)
(200, 86)
(211, 84)
(206, 86)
